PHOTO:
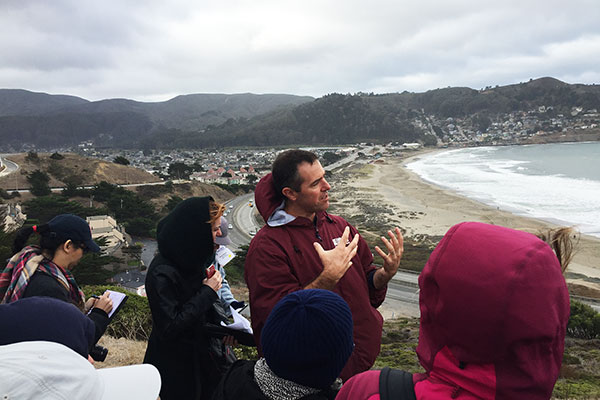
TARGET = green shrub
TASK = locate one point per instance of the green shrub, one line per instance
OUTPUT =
(582, 388)
(236, 189)
(57, 156)
(570, 359)
(4, 194)
(584, 322)
(153, 191)
(6, 241)
(235, 267)
(246, 352)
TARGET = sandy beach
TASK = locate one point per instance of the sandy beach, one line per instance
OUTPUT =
(424, 209)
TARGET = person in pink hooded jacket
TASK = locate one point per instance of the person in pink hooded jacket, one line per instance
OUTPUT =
(494, 312)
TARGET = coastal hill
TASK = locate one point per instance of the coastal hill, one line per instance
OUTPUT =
(50, 121)
(216, 120)
(72, 168)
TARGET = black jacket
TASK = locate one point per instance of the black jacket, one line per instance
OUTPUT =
(180, 303)
(239, 384)
(42, 284)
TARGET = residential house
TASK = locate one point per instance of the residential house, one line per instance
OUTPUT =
(132, 281)
(11, 216)
(107, 227)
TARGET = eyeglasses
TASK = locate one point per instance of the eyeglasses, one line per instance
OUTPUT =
(83, 247)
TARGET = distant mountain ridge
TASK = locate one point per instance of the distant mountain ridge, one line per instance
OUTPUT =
(340, 119)
(19, 102)
(47, 120)
(217, 120)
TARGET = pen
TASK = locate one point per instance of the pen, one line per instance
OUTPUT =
(95, 297)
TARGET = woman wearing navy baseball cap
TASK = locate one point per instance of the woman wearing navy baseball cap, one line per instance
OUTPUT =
(44, 269)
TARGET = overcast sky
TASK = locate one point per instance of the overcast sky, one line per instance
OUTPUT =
(153, 50)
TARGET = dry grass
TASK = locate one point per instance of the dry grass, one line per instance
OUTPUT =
(122, 352)
(90, 170)
(185, 190)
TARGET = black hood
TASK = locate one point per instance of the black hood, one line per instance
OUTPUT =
(185, 235)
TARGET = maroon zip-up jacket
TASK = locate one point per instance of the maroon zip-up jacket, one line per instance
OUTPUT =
(282, 259)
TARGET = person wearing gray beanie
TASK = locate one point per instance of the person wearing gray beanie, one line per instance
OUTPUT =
(306, 341)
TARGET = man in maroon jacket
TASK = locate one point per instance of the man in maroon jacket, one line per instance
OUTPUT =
(304, 247)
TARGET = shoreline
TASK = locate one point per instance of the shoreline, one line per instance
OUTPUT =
(556, 221)
(423, 208)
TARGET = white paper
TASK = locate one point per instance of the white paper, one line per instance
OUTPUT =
(117, 298)
(239, 322)
(224, 255)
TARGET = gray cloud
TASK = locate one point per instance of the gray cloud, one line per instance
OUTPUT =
(155, 50)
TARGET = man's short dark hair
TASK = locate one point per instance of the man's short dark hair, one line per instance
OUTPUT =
(285, 169)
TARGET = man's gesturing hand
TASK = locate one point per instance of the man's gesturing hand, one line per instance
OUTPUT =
(335, 261)
(391, 260)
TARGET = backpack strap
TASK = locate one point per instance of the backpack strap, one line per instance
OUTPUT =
(395, 384)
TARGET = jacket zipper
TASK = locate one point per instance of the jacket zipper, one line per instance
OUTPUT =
(317, 231)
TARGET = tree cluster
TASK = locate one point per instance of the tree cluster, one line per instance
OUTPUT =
(136, 214)
(584, 321)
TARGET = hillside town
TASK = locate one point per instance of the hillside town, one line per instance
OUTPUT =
(512, 128)
(227, 167)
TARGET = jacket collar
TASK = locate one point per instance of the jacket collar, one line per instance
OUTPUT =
(280, 217)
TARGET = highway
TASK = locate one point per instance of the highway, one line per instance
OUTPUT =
(10, 167)
(241, 216)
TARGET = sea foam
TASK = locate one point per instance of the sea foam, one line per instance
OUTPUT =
(508, 180)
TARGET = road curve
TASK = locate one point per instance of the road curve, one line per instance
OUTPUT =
(10, 167)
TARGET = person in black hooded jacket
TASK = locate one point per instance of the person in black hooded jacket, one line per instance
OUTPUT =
(181, 296)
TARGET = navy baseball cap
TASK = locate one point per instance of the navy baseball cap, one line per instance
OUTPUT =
(69, 226)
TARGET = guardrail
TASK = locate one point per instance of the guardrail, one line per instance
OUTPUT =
(584, 299)
(408, 271)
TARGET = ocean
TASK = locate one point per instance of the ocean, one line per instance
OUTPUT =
(559, 182)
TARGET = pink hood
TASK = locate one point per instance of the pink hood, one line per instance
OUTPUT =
(494, 302)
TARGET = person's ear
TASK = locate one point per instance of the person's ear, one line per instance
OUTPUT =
(289, 193)
(68, 246)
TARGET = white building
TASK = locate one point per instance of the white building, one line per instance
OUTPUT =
(11, 216)
(411, 146)
(107, 227)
